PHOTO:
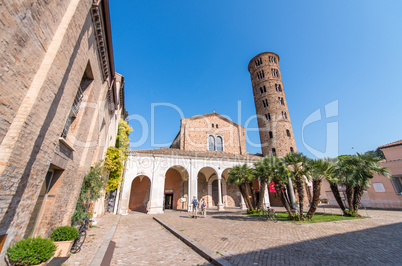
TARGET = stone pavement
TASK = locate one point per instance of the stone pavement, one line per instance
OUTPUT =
(142, 241)
(93, 241)
(245, 240)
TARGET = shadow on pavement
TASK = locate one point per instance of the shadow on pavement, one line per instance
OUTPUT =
(375, 246)
(237, 217)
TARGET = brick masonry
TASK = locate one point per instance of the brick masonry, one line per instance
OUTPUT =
(194, 133)
(29, 31)
(278, 123)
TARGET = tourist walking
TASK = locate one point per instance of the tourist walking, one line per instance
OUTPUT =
(203, 208)
(195, 206)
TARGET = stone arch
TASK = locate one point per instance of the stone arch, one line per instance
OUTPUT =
(232, 195)
(176, 187)
(139, 193)
(205, 177)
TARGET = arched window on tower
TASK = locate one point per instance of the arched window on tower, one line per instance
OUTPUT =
(271, 135)
(291, 149)
(288, 132)
(211, 143)
(219, 144)
(273, 152)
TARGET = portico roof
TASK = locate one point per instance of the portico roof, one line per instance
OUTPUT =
(197, 154)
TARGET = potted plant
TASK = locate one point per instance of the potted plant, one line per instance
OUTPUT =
(63, 237)
(31, 251)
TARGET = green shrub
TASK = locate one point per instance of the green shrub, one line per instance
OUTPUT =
(252, 211)
(31, 251)
(352, 213)
(64, 233)
(297, 217)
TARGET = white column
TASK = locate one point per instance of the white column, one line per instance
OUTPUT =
(192, 184)
(209, 203)
(116, 202)
(157, 190)
(224, 192)
(220, 205)
(188, 194)
(242, 203)
(126, 191)
(266, 196)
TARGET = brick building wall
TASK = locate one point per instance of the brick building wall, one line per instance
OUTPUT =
(140, 188)
(383, 192)
(49, 48)
(194, 133)
(271, 106)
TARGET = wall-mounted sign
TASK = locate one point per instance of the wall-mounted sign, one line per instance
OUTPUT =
(169, 191)
(183, 199)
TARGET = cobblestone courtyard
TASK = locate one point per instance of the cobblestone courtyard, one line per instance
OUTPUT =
(245, 240)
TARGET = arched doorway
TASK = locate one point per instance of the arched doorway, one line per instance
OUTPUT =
(204, 185)
(176, 188)
(215, 193)
(139, 195)
(232, 193)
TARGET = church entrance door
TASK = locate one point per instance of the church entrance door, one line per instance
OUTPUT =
(169, 201)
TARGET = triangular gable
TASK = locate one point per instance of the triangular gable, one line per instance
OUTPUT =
(214, 114)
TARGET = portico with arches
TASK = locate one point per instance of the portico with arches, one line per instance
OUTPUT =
(169, 178)
(196, 164)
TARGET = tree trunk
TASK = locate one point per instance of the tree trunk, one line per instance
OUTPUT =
(337, 195)
(253, 196)
(243, 193)
(247, 198)
(285, 193)
(357, 197)
(316, 198)
(300, 191)
(250, 197)
(349, 195)
(281, 194)
(307, 189)
(263, 185)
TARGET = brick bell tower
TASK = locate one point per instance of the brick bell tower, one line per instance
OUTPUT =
(273, 117)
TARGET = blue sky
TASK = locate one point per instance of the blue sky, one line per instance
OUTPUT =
(194, 55)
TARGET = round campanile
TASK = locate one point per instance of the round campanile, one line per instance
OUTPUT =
(273, 117)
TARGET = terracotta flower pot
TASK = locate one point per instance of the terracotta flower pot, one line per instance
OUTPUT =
(63, 248)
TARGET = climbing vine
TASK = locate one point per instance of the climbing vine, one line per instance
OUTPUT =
(91, 187)
(115, 156)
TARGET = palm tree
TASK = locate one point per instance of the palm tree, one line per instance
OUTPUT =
(261, 171)
(320, 169)
(333, 183)
(242, 176)
(355, 172)
(299, 168)
(274, 169)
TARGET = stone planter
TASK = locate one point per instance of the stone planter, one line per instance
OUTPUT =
(63, 248)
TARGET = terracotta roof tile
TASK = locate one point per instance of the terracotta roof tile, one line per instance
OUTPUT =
(395, 143)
